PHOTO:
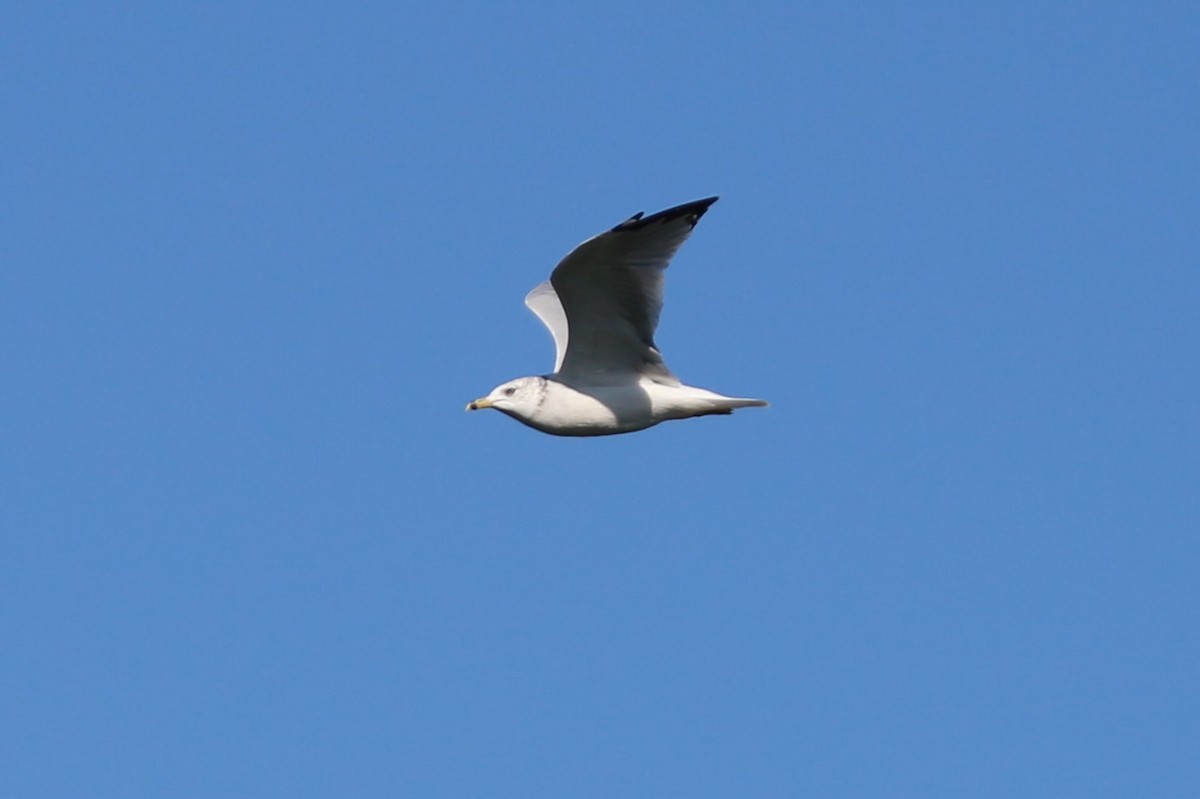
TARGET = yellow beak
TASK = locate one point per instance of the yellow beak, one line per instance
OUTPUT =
(479, 404)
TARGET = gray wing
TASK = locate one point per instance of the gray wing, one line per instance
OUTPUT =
(611, 291)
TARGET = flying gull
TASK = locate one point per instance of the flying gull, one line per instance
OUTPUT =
(602, 304)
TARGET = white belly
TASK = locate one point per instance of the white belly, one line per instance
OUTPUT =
(605, 410)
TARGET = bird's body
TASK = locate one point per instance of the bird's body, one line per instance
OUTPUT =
(602, 304)
(553, 406)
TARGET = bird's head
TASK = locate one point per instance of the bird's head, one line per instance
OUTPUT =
(519, 398)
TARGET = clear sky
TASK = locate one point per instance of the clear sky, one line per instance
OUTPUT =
(257, 257)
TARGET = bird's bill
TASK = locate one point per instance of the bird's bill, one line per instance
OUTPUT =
(479, 404)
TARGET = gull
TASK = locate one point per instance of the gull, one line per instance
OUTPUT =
(601, 305)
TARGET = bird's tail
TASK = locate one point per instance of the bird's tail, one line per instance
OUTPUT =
(741, 402)
(728, 405)
(705, 403)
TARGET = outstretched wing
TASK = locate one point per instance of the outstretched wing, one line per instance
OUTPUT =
(608, 293)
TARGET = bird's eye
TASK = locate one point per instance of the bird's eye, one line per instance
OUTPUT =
(508, 392)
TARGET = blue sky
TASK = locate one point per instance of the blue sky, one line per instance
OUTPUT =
(257, 257)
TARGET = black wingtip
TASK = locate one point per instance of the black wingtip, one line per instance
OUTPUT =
(694, 210)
